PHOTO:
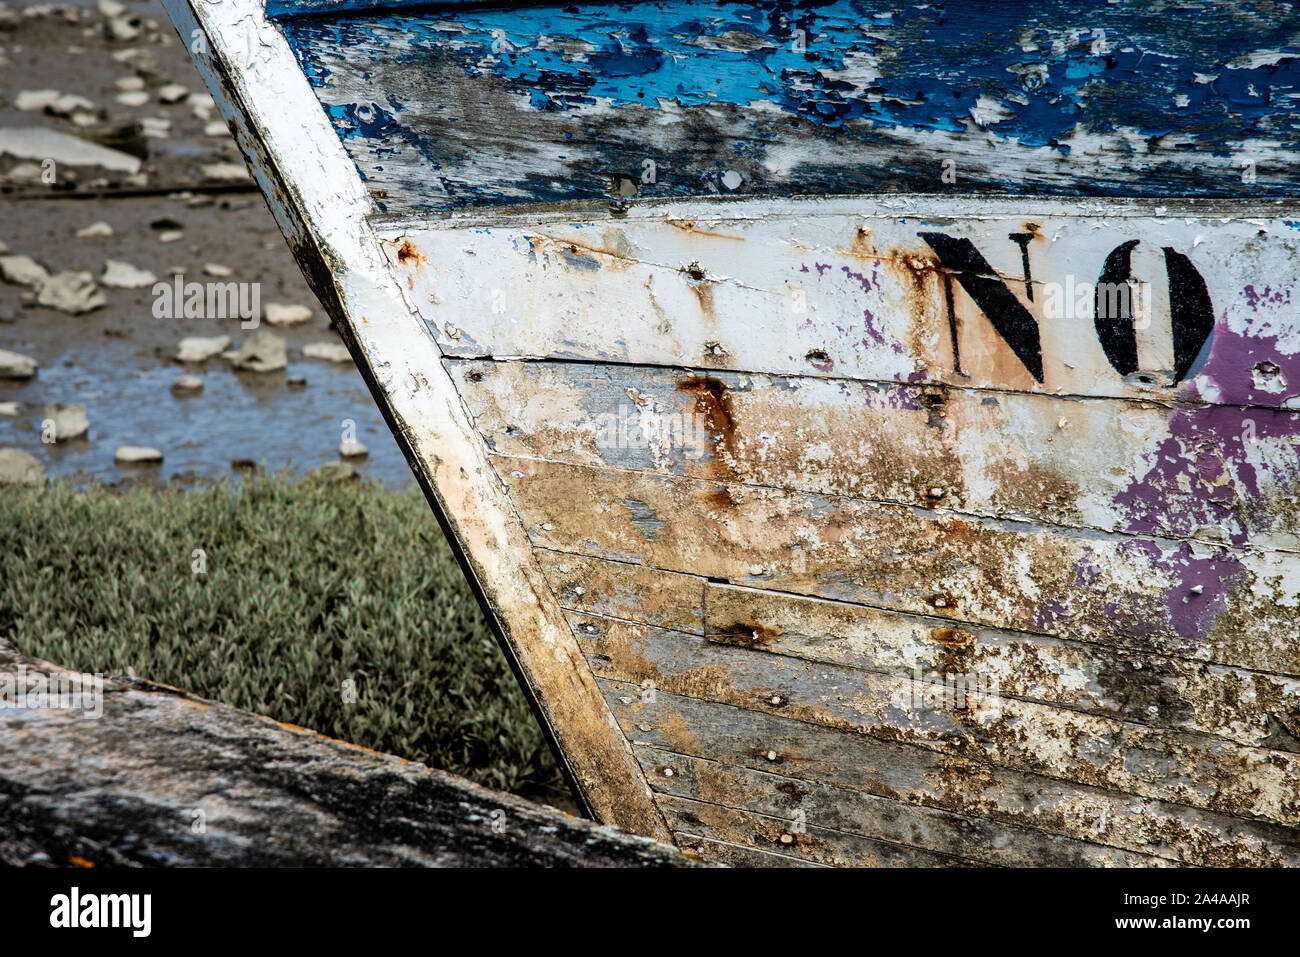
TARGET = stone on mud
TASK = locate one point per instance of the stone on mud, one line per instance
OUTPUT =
(201, 348)
(15, 365)
(22, 271)
(261, 352)
(72, 292)
(19, 468)
(329, 351)
(69, 420)
(137, 455)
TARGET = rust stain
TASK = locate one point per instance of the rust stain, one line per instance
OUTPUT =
(953, 637)
(576, 251)
(747, 634)
(407, 254)
(689, 226)
(677, 733)
(714, 401)
(861, 247)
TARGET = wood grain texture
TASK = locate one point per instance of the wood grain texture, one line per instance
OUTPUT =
(859, 289)
(621, 590)
(1248, 707)
(733, 855)
(958, 715)
(902, 772)
(798, 803)
(812, 843)
(508, 104)
(1220, 604)
(1214, 473)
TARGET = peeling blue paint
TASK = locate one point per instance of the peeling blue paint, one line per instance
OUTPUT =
(1155, 82)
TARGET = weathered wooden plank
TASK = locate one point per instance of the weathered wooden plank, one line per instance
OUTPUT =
(799, 803)
(118, 772)
(903, 772)
(806, 842)
(311, 187)
(826, 288)
(1249, 707)
(1187, 600)
(961, 716)
(731, 855)
(1218, 473)
(507, 103)
(620, 590)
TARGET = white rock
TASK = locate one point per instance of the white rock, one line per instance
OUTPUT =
(15, 365)
(263, 351)
(137, 455)
(69, 103)
(188, 383)
(85, 119)
(128, 83)
(25, 174)
(120, 30)
(201, 348)
(95, 230)
(215, 128)
(28, 100)
(201, 105)
(352, 449)
(40, 144)
(172, 93)
(132, 98)
(11, 409)
(329, 351)
(285, 314)
(170, 236)
(226, 172)
(19, 468)
(217, 271)
(155, 127)
(22, 271)
(69, 420)
(72, 292)
(122, 275)
(111, 8)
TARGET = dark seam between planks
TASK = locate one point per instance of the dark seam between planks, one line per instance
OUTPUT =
(976, 760)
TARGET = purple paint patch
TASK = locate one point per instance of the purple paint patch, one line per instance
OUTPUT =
(1202, 476)
(1188, 609)
(1244, 369)
(873, 334)
(1202, 593)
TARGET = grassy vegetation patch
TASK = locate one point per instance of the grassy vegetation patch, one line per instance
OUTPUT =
(304, 587)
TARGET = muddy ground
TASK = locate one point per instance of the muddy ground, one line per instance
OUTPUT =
(188, 209)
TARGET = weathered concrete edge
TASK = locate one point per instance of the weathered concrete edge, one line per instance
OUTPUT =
(165, 778)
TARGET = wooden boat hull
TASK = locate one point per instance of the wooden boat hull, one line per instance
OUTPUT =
(828, 522)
